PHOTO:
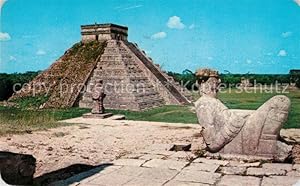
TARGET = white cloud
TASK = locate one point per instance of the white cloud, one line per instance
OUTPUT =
(282, 53)
(132, 7)
(40, 52)
(159, 35)
(2, 3)
(122, 8)
(287, 34)
(192, 26)
(12, 58)
(4, 36)
(298, 2)
(174, 22)
(248, 61)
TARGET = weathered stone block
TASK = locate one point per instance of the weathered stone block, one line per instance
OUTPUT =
(233, 180)
(168, 164)
(280, 181)
(197, 176)
(265, 172)
(158, 173)
(211, 161)
(202, 167)
(182, 183)
(233, 170)
(278, 166)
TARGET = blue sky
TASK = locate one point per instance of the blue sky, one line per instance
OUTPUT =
(258, 36)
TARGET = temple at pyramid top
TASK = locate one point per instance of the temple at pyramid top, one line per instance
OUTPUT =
(106, 31)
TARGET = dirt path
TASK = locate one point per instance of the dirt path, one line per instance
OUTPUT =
(95, 142)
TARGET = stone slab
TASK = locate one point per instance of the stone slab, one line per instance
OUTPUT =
(233, 180)
(280, 181)
(237, 157)
(97, 116)
(181, 183)
(278, 166)
(239, 164)
(233, 170)
(145, 181)
(90, 175)
(202, 167)
(117, 117)
(158, 173)
(265, 172)
(198, 177)
(129, 162)
(211, 161)
(169, 164)
(130, 171)
(293, 174)
(111, 179)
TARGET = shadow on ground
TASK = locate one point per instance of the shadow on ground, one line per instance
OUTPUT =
(18, 169)
(69, 175)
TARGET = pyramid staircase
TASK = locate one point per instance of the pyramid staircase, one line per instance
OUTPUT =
(170, 90)
(126, 85)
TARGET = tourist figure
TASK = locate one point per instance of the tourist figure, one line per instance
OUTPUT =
(98, 96)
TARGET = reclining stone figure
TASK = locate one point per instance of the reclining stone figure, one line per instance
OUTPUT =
(253, 133)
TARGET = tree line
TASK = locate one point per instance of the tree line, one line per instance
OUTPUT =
(189, 79)
(7, 81)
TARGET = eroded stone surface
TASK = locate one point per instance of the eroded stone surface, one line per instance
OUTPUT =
(233, 170)
(265, 172)
(158, 173)
(233, 180)
(280, 181)
(182, 183)
(239, 164)
(202, 167)
(145, 181)
(111, 179)
(169, 164)
(278, 166)
(211, 161)
(197, 176)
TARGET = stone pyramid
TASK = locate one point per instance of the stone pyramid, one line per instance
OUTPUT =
(132, 81)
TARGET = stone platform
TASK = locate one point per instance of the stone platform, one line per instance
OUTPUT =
(157, 165)
(99, 116)
(163, 167)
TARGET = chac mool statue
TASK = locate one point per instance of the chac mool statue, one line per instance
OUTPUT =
(234, 132)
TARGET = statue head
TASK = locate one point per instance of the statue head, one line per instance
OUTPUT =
(208, 81)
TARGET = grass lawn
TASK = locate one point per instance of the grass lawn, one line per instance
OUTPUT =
(16, 120)
(19, 120)
(254, 100)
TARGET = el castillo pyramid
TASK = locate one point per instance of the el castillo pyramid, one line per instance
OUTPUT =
(132, 81)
